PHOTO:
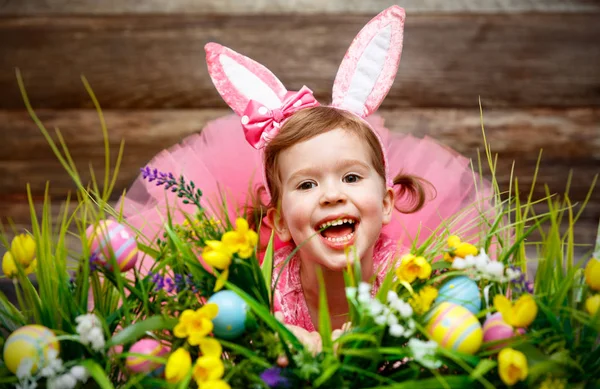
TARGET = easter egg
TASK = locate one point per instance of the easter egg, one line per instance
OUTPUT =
(149, 347)
(231, 319)
(454, 328)
(31, 341)
(111, 238)
(495, 329)
(461, 291)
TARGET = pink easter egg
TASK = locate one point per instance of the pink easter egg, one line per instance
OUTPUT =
(111, 238)
(496, 329)
(149, 347)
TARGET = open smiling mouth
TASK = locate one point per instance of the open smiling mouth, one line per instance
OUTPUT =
(338, 231)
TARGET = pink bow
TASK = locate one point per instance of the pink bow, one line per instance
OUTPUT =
(261, 124)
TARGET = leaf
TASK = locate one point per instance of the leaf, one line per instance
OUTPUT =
(267, 266)
(324, 319)
(482, 368)
(137, 330)
(97, 373)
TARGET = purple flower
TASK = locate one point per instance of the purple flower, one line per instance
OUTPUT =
(274, 379)
(166, 179)
(94, 262)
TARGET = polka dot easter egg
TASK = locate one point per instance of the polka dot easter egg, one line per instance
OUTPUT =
(231, 319)
(31, 341)
(461, 291)
(454, 328)
(496, 329)
(142, 364)
(109, 238)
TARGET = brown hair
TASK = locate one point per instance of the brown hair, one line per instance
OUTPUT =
(310, 122)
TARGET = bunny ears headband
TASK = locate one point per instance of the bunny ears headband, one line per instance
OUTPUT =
(363, 80)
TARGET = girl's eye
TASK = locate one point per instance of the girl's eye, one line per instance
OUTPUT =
(306, 185)
(351, 178)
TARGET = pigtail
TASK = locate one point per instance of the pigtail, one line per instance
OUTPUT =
(412, 192)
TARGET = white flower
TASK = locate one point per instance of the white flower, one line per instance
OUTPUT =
(392, 320)
(381, 320)
(90, 331)
(80, 373)
(424, 353)
(375, 308)
(403, 308)
(351, 292)
(364, 298)
(392, 296)
(396, 330)
(24, 369)
(495, 269)
(512, 274)
(364, 288)
(459, 263)
(469, 261)
(65, 381)
(52, 365)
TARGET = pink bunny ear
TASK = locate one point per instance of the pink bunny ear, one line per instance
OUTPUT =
(370, 64)
(239, 79)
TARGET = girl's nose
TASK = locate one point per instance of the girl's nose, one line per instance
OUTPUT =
(332, 195)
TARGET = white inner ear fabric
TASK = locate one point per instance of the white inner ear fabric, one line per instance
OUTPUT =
(248, 84)
(368, 69)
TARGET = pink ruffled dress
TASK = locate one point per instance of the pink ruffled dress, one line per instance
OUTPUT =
(224, 166)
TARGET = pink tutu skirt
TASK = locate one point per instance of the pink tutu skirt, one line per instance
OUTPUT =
(226, 168)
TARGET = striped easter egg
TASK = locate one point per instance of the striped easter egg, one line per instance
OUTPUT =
(149, 347)
(495, 329)
(111, 238)
(454, 328)
(31, 341)
(461, 291)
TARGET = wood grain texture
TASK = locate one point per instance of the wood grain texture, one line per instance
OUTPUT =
(524, 60)
(570, 140)
(33, 7)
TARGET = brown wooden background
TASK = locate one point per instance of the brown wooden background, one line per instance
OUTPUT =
(534, 63)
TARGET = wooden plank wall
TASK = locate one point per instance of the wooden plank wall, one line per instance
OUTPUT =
(535, 64)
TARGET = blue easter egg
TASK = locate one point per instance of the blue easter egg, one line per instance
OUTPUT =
(231, 319)
(461, 291)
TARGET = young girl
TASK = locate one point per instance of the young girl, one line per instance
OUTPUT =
(329, 177)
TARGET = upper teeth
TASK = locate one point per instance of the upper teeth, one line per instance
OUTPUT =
(338, 222)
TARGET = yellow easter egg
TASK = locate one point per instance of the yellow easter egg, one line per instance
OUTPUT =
(455, 328)
(31, 341)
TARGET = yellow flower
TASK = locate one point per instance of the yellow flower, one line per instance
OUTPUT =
(421, 303)
(553, 383)
(208, 368)
(241, 241)
(178, 365)
(22, 248)
(210, 347)
(521, 314)
(592, 274)
(412, 267)
(592, 304)
(9, 267)
(458, 249)
(218, 384)
(512, 366)
(195, 325)
(217, 254)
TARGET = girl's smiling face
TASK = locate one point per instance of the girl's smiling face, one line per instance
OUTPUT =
(331, 197)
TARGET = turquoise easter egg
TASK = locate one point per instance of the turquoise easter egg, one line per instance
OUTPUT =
(496, 329)
(231, 319)
(454, 328)
(31, 341)
(145, 347)
(461, 291)
(109, 238)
